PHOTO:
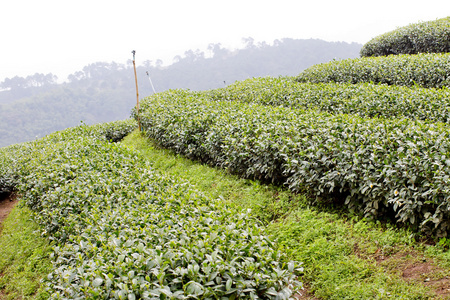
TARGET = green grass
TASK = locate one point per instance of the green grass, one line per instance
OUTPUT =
(337, 254)
(24, 257)
(267, 202)
(338, 250)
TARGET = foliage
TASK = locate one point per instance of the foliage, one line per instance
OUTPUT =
(424, 37)
(425, 70)
(126, 231)
(336, 249)
(36, 80)
(6, 187)
(10, 163)
(13, 158)
(363, 99)
(115, 131)
(380, 167)
(267, 202)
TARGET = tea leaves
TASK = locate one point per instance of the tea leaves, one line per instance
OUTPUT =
(428, 70)
(126, 232)
(380, 167)
(424, 37)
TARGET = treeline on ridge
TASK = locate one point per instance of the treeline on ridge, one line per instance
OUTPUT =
(103, 92)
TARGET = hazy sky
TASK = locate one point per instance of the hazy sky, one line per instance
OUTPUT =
(62, 36)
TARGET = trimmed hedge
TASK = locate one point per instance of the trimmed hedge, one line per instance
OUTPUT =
(128, 232)
(363, 99)
(424, 37)
(425, 70)
(380, 167)
(10, 162)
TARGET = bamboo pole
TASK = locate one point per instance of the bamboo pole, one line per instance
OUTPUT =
(137, 91)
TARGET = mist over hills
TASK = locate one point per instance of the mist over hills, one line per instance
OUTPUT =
(34, 106)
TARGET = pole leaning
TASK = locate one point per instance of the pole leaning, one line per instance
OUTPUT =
(137, 91)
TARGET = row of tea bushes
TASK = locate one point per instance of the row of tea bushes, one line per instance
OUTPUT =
(425, 70)
(363, 99)
(115, 131)
(112, 131)
(380, 167)
(424, 37)
(8, 165)
(125, 231)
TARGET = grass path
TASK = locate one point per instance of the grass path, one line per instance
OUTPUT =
(345, 257)
(24, 257)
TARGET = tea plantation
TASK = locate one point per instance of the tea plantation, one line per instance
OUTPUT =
(368, 138)
(379, 166)
(124, 231)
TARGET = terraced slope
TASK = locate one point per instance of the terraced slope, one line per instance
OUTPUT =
(125, 231)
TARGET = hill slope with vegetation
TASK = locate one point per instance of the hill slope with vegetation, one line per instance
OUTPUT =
(34, 106)
(125, 231)
(267, 182)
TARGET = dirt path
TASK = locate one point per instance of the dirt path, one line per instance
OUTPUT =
(416, 268)
(6, 205)
(305, 294)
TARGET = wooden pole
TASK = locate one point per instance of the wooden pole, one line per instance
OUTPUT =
(137, 91)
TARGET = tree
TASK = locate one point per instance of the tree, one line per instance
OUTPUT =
(218, 51)
(40, 79)
(14, 83)
(36, 80)
(249, 42)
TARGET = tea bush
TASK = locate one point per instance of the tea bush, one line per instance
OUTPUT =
(127, 232)
(425, 70)
(363, 99)
(423, 37)
(379, 166)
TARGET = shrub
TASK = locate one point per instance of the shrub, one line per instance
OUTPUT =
(424, 37)
(425, 70)
(380, 167)
(125, 231)
(363, 99)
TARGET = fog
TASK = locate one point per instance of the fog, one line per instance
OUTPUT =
(61, 37)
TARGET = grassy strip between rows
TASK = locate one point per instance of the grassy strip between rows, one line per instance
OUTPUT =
(426, 70)
(124, 231)
(424, 37)
(25, 257)
(383, 168)
(338, 251)
(363, 99)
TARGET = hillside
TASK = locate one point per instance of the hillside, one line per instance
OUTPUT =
(103, 92)
(324, 185)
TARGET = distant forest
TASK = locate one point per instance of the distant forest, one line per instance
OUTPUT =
(37, 105)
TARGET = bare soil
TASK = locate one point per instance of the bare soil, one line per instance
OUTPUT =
(416, 268)
(305, 294)
(428, 274)
(6, 205)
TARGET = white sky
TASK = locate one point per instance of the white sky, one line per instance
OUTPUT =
(62, 36)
